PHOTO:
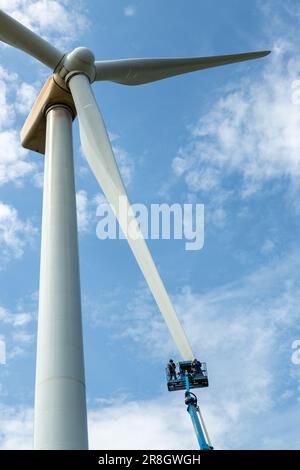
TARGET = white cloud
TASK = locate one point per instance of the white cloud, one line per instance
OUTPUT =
(13, 164)
(129, 10)
(86, 211)
(15, 352)
(23, 337)
(45, 18)
(218, 216)
(2, 353)
(26, 95)
(162, 424)
(248, 137)
(251, 132)
(154, 424)
(83, 211)
(38, 179)
(3, 313)
(244, 330)
(15, 233)
(18, 319)
(16, 429)
(125, 164)
(7, 113)
(151, 424)
(268, 246)
(142, 312)
(17, 337)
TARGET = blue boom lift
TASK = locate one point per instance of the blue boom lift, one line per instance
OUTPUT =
(191, 375)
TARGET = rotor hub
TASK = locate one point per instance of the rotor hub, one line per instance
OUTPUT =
(80, 61)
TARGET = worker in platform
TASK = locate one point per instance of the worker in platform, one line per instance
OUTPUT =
(172, 369)
(196, 367)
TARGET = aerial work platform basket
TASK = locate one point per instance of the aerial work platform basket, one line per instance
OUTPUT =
(197, 378)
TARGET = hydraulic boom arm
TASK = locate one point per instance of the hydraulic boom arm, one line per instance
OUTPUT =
(196, 417)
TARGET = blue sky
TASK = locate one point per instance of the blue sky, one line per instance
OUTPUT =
(226, 137)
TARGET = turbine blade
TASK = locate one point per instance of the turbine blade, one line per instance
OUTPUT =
(140, 71)
(15, 34)
(98, 151)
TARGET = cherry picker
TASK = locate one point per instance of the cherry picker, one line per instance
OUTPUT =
(191, 374)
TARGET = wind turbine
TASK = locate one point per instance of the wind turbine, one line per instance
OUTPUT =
(60, 399)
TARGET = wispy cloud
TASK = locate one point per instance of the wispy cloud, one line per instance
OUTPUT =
(125, 161)
(13, 164)
(125, 164)
(251, 132)
(17, 333)
(247, 138)
(129, 10)
(16, 429)
(26, 95)
(151, 425)
(244, 330)
(268, 246)
(16, 96)
(85, 211)
(15, 233)
(15, 319)
(162, 423)
(45, 18)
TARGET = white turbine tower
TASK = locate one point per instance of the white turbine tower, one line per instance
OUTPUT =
(60, 401)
